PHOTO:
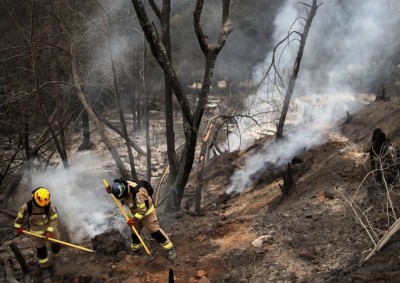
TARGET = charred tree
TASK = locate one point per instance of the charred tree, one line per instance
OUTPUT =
(62, 151)
(202, 160)
(191, 120)
(164, 18)
(106, 31)
(134, 145)
(76, 79)
(311, 11)
(146, 113)
(379, 143)
(74, 39)
(382, 96)
(86, 143)
(385, 164)
(287, 181)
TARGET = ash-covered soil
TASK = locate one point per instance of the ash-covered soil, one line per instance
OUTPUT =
(310, 235)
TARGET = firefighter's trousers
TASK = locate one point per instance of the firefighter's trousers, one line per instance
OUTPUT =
(41, 248)
(150, 222)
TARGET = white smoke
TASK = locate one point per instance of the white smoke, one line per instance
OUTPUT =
(344, 46)
(79, 195)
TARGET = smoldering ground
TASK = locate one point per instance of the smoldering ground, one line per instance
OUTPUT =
(79, 195)
(343, 55)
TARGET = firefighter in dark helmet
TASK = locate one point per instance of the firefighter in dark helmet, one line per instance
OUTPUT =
(43, 220)
(138, 197)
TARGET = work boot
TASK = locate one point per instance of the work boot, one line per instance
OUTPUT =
(136, 249)
(138, 252)
(171, 255)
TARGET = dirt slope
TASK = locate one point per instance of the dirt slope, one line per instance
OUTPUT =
(311, 236)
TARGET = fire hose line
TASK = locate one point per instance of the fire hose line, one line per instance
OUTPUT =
(127, 218)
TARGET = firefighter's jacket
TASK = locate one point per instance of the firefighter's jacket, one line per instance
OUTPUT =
(139, 202)
(39, 222)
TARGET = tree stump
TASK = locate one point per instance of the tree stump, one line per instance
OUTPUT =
(287, 181)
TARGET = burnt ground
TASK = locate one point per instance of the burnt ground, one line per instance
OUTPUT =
(312, 235)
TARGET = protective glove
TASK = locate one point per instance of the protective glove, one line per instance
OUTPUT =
(132, 221)
(108, 189)
(19, 230)
(48, 235)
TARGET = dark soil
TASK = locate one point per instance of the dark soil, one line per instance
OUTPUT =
(313, 233)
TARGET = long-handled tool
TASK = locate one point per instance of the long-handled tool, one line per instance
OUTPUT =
(127, 218)
(58, 241)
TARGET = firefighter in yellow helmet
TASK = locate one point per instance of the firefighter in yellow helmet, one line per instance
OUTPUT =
(137, 195)
(43, 220)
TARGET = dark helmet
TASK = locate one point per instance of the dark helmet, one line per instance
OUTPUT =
(118, 190)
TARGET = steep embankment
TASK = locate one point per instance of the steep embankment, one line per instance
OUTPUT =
(312, 235)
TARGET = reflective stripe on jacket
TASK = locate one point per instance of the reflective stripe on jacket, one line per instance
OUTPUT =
(39, 222)
(142, 205)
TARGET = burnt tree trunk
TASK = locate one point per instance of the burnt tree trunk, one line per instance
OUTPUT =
(296, 67)
(378, 158)
(164, 17)
(35, 70)
(202, 161)
(379, 143)
(76, 80)
(146, 114)
(20, 259)
(191, 121)
(287, 181)
(134, 145)
(86, 143)
(381, 96)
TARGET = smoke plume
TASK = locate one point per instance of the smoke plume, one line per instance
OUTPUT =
(345, 50)
(79, 195)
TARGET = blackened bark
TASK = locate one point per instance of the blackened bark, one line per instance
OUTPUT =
(164, 17)
(85, 127)
(191, 121)
(287, 181)
(296, 68)
(61, 151)
(86, 143)
(378, 147)
(20, 259)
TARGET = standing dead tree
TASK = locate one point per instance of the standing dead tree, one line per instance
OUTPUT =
(31, 105)
(274, 80)
(32, 40)
(74, 39)
(106, 31)
(208, 141)
(61, 150)
(99, 126)
(202, 160)
(311, 11)
(191, 120)
(288, 182)
(164, 17)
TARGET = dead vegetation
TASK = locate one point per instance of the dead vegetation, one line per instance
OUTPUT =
(312, 234)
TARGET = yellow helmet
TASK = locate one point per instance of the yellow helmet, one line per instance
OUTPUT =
(41, 196)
